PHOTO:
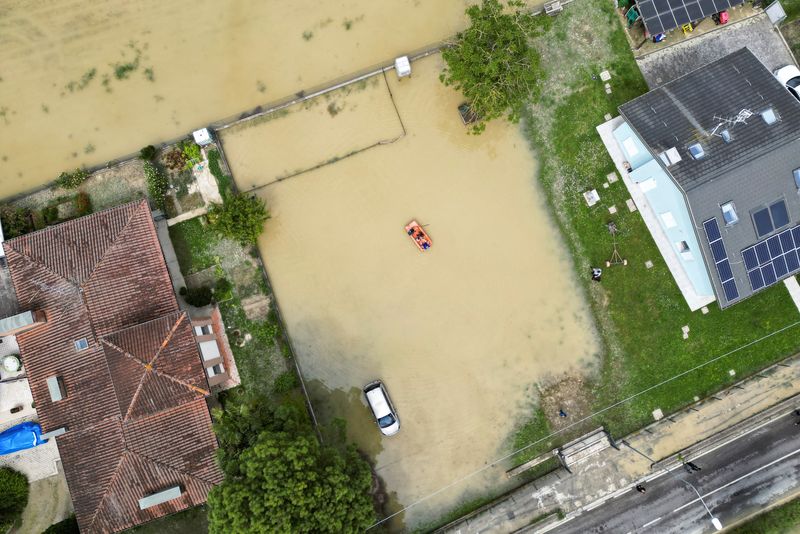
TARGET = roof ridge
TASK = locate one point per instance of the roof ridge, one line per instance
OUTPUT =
(168, 466)
(125, 228)
(43, 266)
(114, 476)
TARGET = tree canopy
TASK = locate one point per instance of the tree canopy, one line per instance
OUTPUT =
(240, 217)
(493, 63)
(14, 492)
(278, 478)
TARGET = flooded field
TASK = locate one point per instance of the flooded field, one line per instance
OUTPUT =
(459, 333)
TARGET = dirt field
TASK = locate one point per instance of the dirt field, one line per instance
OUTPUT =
(460, 333)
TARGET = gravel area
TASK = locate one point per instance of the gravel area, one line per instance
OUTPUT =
(756, 32)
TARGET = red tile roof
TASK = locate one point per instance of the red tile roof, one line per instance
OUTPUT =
(137, 422)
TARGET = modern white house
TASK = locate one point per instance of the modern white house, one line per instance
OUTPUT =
(712, 161)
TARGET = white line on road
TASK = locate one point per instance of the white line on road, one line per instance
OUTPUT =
(732, 482)
(653, 522)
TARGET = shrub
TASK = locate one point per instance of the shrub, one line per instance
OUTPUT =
(148, 153)
(223, 180)
(157, 184)
(175, 160)
(182, 291)
(16, 221)
(83, 204)
(72, 180)
(191, 153)
(241, 218)
(14, 490)
(285, 382)
(50, 215)
(199, 296)
(67, 526)
(223, 290)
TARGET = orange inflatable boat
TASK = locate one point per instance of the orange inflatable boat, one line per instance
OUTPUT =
(419, 236)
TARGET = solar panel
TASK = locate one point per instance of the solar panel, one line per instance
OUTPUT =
(780, 217)
(720, 255)
(756, 280)
(731, 292)
(792, 261)
(664, 15)
(772, 259)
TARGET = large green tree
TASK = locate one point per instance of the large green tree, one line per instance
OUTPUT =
(13, 496)
(280, 479)
(240, 217)
(493, 63)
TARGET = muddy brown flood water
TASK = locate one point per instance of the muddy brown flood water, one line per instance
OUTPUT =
(82, 83)
(459, 333)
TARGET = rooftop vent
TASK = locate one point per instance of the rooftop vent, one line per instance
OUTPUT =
(796, 174)
(696, 150)
(670, 156)
(729, 214)
(726, 136)
(55, 386)
(769, 116)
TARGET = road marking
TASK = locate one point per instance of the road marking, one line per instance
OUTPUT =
(653, 522)
(732, 482)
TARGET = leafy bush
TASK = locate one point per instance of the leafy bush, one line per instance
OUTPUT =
(157, 184)
(83, 204)
(16, 221)
(67, 526)
(50, 215)
(72, 180)
(223, 180)
(191, 153)
(175, 160)
(199, 296)
(148, 153)
(14, 491)
(241, 218)
(223, 290)
(285, 382)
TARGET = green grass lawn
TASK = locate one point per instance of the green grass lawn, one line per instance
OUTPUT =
(791, 26)
(639, 312)
(781, 520)
(192, 242)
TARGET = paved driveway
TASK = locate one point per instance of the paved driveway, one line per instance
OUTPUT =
(756, 32)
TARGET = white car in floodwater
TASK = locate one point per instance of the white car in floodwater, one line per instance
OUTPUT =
(382, 408)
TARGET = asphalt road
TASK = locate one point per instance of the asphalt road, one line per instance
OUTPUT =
(735, 481)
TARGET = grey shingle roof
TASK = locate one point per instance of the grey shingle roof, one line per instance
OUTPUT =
(688, 109)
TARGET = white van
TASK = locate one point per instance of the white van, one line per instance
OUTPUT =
(382, 409)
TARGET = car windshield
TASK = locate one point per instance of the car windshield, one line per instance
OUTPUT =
(386, 420)
(794, 83)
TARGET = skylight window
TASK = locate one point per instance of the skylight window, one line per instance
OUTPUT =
(81, 344)
(696, 150)
(729, 214)
(796, 174)
(769, 116)
(726, 136)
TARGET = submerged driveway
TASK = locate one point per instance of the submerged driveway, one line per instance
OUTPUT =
(459, 333)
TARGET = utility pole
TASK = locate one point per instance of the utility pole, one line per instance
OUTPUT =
(714, 521)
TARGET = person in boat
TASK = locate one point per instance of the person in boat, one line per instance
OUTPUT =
(426, 245)
(411, 231)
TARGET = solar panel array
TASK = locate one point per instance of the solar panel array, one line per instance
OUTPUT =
(721, 259)
(768, 261)
(663, 15)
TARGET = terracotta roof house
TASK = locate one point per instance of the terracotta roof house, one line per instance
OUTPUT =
(114, 368)
(713, 158)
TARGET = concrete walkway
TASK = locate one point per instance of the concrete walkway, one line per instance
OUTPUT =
(612, 471)
(794, 290)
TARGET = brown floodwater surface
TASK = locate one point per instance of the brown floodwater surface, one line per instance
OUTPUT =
(458, 333)
(82, 83)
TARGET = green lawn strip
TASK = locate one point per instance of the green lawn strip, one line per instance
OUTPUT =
(192, 242)
(531, 431)
(191, 521)
(639, 312)
(792, 9)
(784, 519)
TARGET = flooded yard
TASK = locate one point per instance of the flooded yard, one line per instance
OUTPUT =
(459, 333)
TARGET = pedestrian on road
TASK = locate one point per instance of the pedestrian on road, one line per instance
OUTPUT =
(640, 488)
(562, 413)
(693, 466)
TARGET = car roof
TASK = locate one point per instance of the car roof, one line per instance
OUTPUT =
(377, 400)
